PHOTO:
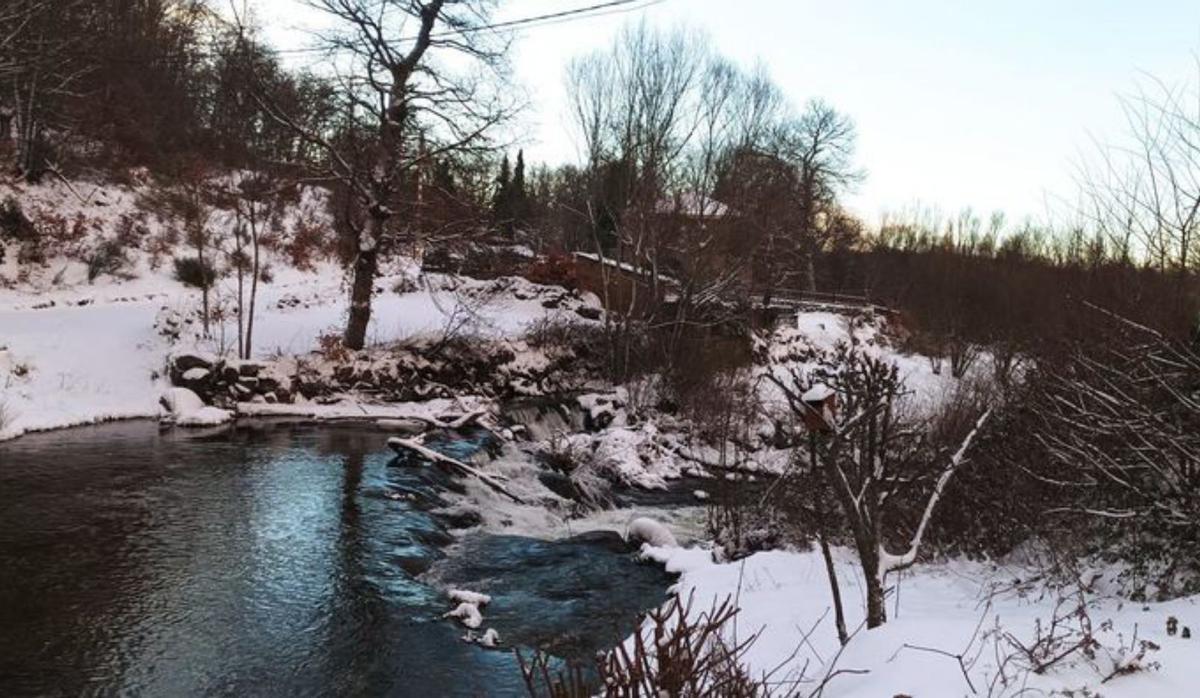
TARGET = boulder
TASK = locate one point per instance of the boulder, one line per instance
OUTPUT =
(249, 369)
(185, 362)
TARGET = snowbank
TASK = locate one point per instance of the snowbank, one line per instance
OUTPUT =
(956, 608)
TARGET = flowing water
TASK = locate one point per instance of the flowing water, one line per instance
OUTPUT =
(275, 560)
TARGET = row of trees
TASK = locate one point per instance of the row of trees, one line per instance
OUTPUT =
(129, 82)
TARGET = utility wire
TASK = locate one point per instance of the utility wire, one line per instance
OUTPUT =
(533, 22)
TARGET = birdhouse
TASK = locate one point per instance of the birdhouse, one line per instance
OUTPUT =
(820, 402)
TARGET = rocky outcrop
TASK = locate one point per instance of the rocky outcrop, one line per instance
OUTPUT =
(225, 382)
(410, 372)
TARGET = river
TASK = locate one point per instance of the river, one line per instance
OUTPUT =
(273, 560)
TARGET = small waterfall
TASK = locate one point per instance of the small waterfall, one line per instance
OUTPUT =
(545, 417)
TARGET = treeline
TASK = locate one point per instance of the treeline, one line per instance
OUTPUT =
(116, 83)
(1012, 291)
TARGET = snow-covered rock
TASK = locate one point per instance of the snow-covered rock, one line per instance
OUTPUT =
(651, 532)
(185, 408)
(490, 638)
(471, 597)
(466, 613)
(195, 374)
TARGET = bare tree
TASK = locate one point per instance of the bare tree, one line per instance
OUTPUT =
(877, 458)
(190, 200)
(39, 60)
(634, 105)
(1143, 193)
(256, 199)
(402, 109)
(820, 145)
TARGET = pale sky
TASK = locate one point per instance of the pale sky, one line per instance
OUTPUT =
(957, 103)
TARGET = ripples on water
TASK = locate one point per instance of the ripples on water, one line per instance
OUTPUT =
(269, 561)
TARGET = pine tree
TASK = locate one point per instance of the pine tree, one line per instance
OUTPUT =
(501, 199)
(518, 201)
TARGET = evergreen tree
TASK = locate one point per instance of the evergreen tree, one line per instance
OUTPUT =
(518, 200)
(501, 200)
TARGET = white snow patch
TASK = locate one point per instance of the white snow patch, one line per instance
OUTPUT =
(466, 613)
(651, 532)
(184, 408)
(490, 638)
(195, 374)
(472, 597)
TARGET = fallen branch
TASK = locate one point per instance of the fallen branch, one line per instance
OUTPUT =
(400, 445)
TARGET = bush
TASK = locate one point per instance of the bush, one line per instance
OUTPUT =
(195, 272)
(108, 258)
(675, 652)
(330, 346)
(550, 332)
(14, 224)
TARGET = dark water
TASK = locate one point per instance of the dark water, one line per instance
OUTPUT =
(270, 561)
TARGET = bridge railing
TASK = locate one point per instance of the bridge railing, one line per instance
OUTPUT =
(799, 298)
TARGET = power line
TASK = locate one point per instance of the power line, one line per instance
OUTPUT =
(532, 22)
(597, 10)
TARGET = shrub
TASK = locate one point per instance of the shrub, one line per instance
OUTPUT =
(308, 244)
(108, 258)
(13, 222)
(330, 346)
(675, 652)
(550, 332)
(406, 284)
(195, 272)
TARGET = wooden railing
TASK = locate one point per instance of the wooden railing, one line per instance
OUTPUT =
(797, 298)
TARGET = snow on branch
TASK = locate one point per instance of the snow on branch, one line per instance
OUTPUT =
(893, 563)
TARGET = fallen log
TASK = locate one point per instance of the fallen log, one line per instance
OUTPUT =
(400, 445)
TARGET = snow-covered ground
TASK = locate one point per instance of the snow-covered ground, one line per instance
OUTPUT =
(74, 352)
(975, 610)
(67, 364)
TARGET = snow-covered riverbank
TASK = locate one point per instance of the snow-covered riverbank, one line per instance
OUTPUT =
(89, 354)
(940, 613)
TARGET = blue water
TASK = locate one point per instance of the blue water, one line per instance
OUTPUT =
(272, 561)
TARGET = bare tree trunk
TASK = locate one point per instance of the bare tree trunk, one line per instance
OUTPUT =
(876, 609)
(366, 264)
(810, 272)
(205, 283)
(839, 615)
(239, 244)
(254, 271)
